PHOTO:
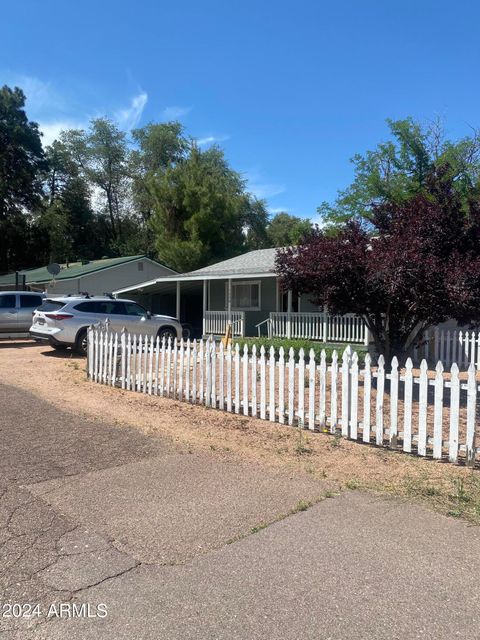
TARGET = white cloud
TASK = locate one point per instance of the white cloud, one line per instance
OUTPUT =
(51, 130)
(129, 118)
(273, 211)
(174, 113)
(262, 188)
(266, 189)
(211, 140)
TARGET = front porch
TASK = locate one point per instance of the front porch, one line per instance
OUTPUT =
(302, 325)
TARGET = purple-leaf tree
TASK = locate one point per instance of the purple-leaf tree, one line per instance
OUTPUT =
(417, 264)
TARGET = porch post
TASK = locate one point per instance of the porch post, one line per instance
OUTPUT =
(289, 312)
(229, 300)
(178, 300)
(204, 331)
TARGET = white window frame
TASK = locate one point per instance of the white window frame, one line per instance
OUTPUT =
(238, 282)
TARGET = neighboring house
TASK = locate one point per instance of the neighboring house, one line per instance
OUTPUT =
(95, 277)
(244, 291)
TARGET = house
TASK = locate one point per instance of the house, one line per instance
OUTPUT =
(245, 292)
(93, 276)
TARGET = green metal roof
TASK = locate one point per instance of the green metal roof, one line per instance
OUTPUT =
(73, 270)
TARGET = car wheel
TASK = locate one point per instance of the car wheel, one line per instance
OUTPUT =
(81, 345)
(167, 332)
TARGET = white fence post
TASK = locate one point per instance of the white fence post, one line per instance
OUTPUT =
(454, 411)
(367, 392)
(291, 385)
(263, 383)
(322, 401)
(407, 407)
(333, 393)
(394, 402)
(471, 414)
(422, 409)
(271, 371)
(354, 397)
(346, 361)
(379, 401)
(312, 371)
(438, 412)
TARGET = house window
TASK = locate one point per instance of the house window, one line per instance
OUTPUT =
(245, 296)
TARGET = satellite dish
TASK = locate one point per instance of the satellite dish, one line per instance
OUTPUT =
(53, 268)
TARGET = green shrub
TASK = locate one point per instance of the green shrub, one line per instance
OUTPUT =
(306, 345)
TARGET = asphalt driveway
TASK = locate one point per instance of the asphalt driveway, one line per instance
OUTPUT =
(181, 544)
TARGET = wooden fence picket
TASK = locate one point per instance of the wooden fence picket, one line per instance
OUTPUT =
(346, 361)
(263, 384)
(301, 388)
(271, 371)
(281, 385)
(407, 406)
(181, 367)
(322, 400)
(123, 348)
(438, 412)
(394, 402)
(245, 380)
(229, 377)
(113, 376)
(145, 364)
(422, 409)
(221, 376)
(291, 386)
(471, 414)
(157, 364)
(379, 426)
(254, 380)
(213, 391)
(193, 396)
(454, 413)
(169, 367)
(201, 359)
(129, 362)
(367, 394)
(175, 368)
(333, 393)
(354, 397)
(312, 375)
(237, 377)
(208, 373)
(162, 367)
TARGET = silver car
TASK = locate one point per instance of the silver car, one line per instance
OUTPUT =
(63, 322)
(16, 308)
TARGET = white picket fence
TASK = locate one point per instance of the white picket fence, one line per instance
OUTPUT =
(449, 346)
(418, 411)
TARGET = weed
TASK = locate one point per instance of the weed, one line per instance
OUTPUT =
(302, 505)
(352, 484)
(337, 440)
(301, 446)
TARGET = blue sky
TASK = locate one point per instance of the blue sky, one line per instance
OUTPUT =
(290, 89)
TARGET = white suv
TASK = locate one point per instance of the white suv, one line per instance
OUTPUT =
(64, 321)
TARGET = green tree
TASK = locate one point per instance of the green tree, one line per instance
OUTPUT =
(285, 230)
(397, 169)
(21, 161)
(66, 218)
(202, 212)
(102, 156)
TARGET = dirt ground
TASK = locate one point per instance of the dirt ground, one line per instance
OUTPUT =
(59, 378)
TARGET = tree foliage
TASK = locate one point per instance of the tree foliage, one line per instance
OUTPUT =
(419, 267)
(284, 230)
(397, 169)
(21, 162)
(202, 211)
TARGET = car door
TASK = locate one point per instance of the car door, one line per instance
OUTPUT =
(28, 303)
(137, 319)
(8, 312)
